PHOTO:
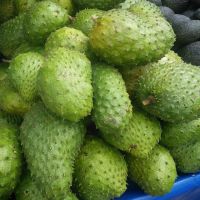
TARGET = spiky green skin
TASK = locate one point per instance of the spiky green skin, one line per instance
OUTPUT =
(67, 4)
(11, 162)
(174, 135)
(23, 71)
(128, 35)
(50, 146)
(85, 19)
(112, 107)
(64, 84)
(99, 4)
(173, 90)
(100, 171)
(131, 74)
(71, 197)
(12, 35)
(10, 101)
(187, 157)
(138, 137)
(10, 118)
(7, 10)
(68, 38)
(26, 47)
(27, 190)
(128, 3)
(23, 5)
(42, 19)
(155, 174)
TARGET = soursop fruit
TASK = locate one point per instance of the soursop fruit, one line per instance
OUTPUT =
(128, 35)
(170, 91)
(99, 4)
(11, 159)
(12, 119)
(155, 174)
(23, 5)
(112, 106)
(50, 146)
(23, 71)
(68, 38)
(67, 4)
(7, 10)
(85, 19)
(43, 18)
(138, 137)
(100, 171)
(187, 157)
(12, 35)
(174, 135)
(65, 85)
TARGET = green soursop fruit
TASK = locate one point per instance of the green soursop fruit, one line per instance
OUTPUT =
(10, 101)
(26, 47)
(24, 5)
(67, 4)
(12, 35)
(42, 19)
(7, 10)
(128, 3)
(65, 84)
(170, 91)
(174, 135)
(85, 19)
(68, 38)
(156, 174)
(187, 157)
(131, 74)
(50, 146)
(27, 190)
(99, 4)
(11, 159)
(100, 171)
(138, 137)
(23, 71)
(128, 35)
(112, 106)
(10, 118)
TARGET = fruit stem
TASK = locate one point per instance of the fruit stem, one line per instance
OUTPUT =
(149, 100)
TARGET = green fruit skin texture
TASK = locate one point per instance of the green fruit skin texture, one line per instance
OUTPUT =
(7, 10)
(50, 146)
(11, 159)
(42, 19)
(10, 118)
(65, 84)
(112, 107)
(10, 101)
(23, 71)
(68, 38)
(174, 135)
(27, 190)
(130, 34)
(99, 4)
(138, 137)
(170, 91)
(100, 171)
(67, 4)
(155, 174)
(85, 19)
(24, 5)
(187, 157)
(12, 35)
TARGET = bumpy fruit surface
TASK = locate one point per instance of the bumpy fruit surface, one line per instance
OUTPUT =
(11, 159)
(128, 35)
(65, 84)
(112, 106)
(23, 5)
(50, 146)
(100, 171)
(170, 91)
(67, 4)
(155, 174)
(23, 72)
(7, 10)
(42, 19)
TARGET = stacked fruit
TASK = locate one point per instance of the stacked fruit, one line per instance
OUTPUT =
(90, 94)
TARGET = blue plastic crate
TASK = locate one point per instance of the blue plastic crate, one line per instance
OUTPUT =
(187, 187)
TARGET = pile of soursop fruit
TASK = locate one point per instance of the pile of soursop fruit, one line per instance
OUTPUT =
(92, 94)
